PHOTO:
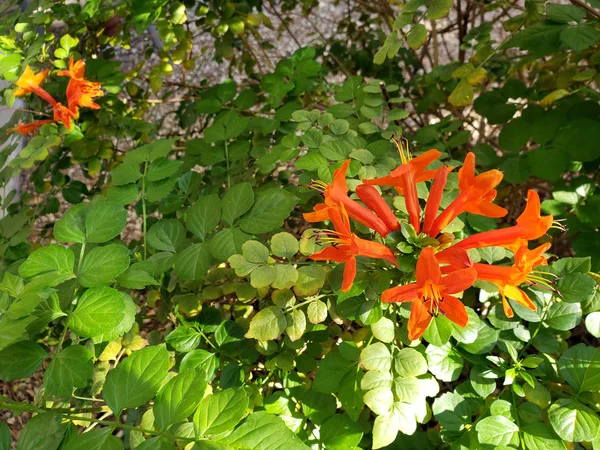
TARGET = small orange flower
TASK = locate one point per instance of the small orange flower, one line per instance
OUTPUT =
(336, 194)
(431, 294)
(30, 82)
(508, 278)
(476, 196)
(80, 91)
(405, 178)
(346, 246)
(530, 225)
(64, 115)
(28, 129)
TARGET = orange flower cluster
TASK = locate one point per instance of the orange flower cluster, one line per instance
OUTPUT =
(80, 93)
(431, 293)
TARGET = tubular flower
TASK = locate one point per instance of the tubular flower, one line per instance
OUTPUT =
(80, 91)
(530, 225)
(30, 82)
(375, 202)
(28, 129)
(405, 179)
(476, 196)
(508, 278)
(430, 294)
(336, 195)
(346, 246)
(64, 115)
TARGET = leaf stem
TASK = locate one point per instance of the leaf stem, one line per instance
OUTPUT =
(227, 161)
(144, 209)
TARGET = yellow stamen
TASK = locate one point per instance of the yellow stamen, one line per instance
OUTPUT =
(405, 155)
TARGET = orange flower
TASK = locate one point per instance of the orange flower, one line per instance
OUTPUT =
(336, 194)
(29, 128)
(508, 278)
(375, 202)
(346, 246)
(80, 91)
(431, 294)
(30, 82)
(64, 115)
(405, 178)
(476, 196)
(530, 225)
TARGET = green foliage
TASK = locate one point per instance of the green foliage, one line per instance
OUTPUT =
(156, 269)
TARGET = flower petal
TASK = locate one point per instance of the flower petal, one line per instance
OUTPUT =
(428, 267)
(516, 294)
(405, 293)
(330, 254)
(349, 274)
(454, 310)
(418, 321)
(459, 280)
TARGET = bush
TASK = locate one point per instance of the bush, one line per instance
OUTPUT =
(304, 255)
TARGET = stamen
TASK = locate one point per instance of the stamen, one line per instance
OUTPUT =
(557, 225)
(405, 155)
(542, 273)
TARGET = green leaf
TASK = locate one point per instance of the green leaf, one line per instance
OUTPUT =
(563, 316)
(573, 421)
(351, 394)
(444, 362)
(296, 325)
(137, 379)
(178, 399)
(262, 277)
(21, 360)
(236, 202)
(42, 432)
(267, 325)
(5, 437)
(71, 369)
(409, 363)
(193, 262)
(468, 334)
(125, 174)
(339, 432)
(580, 366)
(439, 9)
(580, 37)
(103, 264)
(515, 134)
(317, 406)
(263, 431)
(330, 372)
(52, 258)
(71, 226)
(227, 243)
(379, 400)
(376, 357)
(462, 95)
(220, 412)
(284, 245)
(498, 431)
(268, 212)
(317, 311)
(149, 152)
(452, 411)
(166, 235)
(203, 216)
(310, 280)
(416, 36)
(201, 359)
(592, 324)
(99, 310)
(125, 324)
(255, 252)
(286, 276)
(157, 190)
(339, 126)
(483, 381)
(104, 221)
(576, 287)
(539, 436)
(385, 430)
(162, 168)
(439, 331)
(383, 330)
(95, 440)
(183, 339)
(564, 13)
(485, 342)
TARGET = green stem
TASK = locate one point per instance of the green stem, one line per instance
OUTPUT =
(144, 208)
(227, 161)
(514, 401)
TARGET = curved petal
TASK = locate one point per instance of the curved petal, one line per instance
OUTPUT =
(349, 274)
(459, 280)
(508, 311)
(389, 180)
(330, 254)
(428, 267)
(486, 209)
(373, 249)
(418, 321)
(319, 213)
(412, 200)
(435, 198)
(405, 293)
(339, 185)
(339, 219)
(466, 174)
(454, 310)
(365, 216)
(456, 257)
(375, 202)
(516, 294)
